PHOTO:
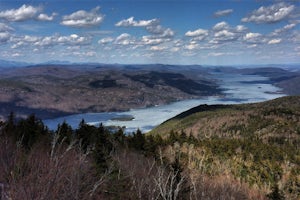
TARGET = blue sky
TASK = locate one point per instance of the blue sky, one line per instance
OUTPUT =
(210, 32)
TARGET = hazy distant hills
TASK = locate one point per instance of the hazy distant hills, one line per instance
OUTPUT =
(58, 88)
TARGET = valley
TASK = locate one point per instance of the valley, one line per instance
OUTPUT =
(52, 91)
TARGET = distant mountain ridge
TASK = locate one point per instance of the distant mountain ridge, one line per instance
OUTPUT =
(7, 63)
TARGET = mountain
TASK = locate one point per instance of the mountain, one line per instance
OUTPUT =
(51, 90)
(254, 143)
(6, 63)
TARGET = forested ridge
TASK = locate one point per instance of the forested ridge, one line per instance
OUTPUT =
(246, 151)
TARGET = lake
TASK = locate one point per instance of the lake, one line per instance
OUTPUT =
(237, 88)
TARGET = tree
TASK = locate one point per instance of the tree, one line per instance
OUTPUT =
(138, 140)
(64, 132)
(29, 131)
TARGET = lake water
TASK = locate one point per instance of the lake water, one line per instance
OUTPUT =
(238, 89)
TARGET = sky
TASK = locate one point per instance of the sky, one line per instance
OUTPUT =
(205, 32)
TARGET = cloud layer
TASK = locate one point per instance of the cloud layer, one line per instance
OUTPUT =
(26, 31)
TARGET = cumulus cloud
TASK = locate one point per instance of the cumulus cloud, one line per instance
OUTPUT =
(191, 46)
(283, 29)
(82, 18)
(23, 13)
(148, 40)
(275, 41)
(271, 14)
(160, 31)
(45, 17)
(220, 26)
(124, 39)
(225, 35)
(240, 28)
(199, 34)
(222, 13)
(253, 38)
(106, 40)
(142, 23)
(157, 48)
(152, 26)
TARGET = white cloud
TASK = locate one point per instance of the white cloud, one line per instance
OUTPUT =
(191, 46)
(240, 28)
(152, 26)
(295, 37)
(4, 27)
(221, 26)
(283, 29)
(224, 36)
(45, 17)
(82, 18)
(72, 39)
(167, 33)
(274, 41)
(4, 37)
(148, 40)
(271, 14)
(157, 48)
(47, 41)
(23, 13)
(142, 23)
(216, 54)
(198, 34)
(160, 31)
(106, 40)
(124, 39)
(252, 46)
(5, 34)
(221, 13)
(123, 36)
(253, 38)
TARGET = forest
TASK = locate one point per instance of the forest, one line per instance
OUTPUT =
(94, 162)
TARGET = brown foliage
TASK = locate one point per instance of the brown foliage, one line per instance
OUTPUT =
(64, 172)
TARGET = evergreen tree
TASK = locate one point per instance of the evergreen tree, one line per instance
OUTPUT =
(138, 140)
(65, 132)
(10, 126)
(29, 131)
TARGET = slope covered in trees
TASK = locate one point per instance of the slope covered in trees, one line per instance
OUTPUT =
(209, 152)
(254, 143)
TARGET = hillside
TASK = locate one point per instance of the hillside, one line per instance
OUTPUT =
(254, 143)
(239, 120)
(56, 90)
(248, 151)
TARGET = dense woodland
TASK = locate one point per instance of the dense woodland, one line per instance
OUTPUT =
(253, 154)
